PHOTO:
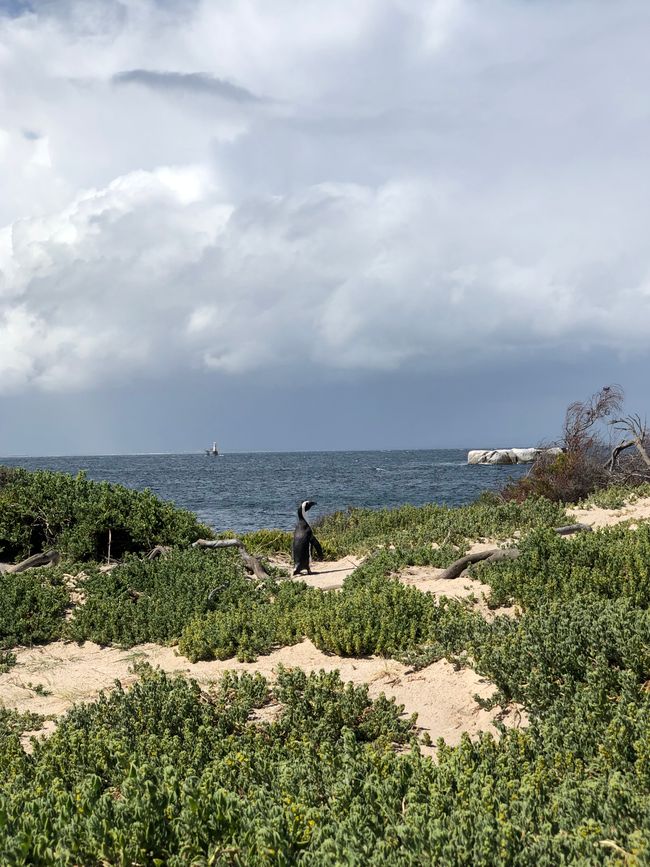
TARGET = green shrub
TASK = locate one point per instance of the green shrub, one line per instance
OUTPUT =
(32, 607)
(247, 625)
(153, 600)
(364, 530)
(321, 706)
(41, 510)
(613, 562)
(616, 496)
(14, 722)
(553, 647)
(164, 774)
(7, 661)
(373, 614)
(268, 542)
(376, 614)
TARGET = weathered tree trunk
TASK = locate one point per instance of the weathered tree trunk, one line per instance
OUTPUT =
(642, 451)
(494, 555)
(46, 558)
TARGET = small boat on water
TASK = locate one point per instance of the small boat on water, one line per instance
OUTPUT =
(213, 452)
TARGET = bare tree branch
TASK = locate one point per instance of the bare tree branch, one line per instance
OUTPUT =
(610, 466)
(582, 417)
(637, 430)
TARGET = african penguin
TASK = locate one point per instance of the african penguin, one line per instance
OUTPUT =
(304, 540)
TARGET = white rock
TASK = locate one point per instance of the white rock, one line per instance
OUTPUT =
(500, 456)
(508, 456)
(525, 456)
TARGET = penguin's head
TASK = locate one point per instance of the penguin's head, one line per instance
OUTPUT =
(305, 506)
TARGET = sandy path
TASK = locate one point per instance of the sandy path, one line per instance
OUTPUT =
(330, 575)
(327, 574)
(426, 578)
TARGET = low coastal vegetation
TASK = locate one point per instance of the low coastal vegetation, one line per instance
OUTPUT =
(616, 496)
(362, 531)
(85, 520)
(165, 774)
(32, 607)
(305, 769)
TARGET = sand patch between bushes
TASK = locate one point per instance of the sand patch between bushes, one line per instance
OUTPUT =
(442, 697)
(598, 517)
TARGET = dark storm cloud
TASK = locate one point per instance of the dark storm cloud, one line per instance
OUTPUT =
(187, 82)
(435, 187)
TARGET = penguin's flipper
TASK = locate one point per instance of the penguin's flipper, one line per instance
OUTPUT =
(317, 551)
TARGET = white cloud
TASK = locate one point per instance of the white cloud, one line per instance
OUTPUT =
(418, 184)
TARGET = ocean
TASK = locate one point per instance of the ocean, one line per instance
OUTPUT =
(245, 492)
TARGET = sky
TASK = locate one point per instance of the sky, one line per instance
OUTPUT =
(298, 225)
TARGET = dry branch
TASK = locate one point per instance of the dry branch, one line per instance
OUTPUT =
(638, 432)
(158, 551)
(610, 466)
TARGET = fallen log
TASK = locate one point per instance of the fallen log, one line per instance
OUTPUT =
(491, 556)
(573, 528)
(46, 558)
(494, 555)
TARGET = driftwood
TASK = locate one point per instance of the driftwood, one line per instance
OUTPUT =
(491, 556)
(46, 558)
(494, 555)
(251, 564)
(573, 528)
(158, 551)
